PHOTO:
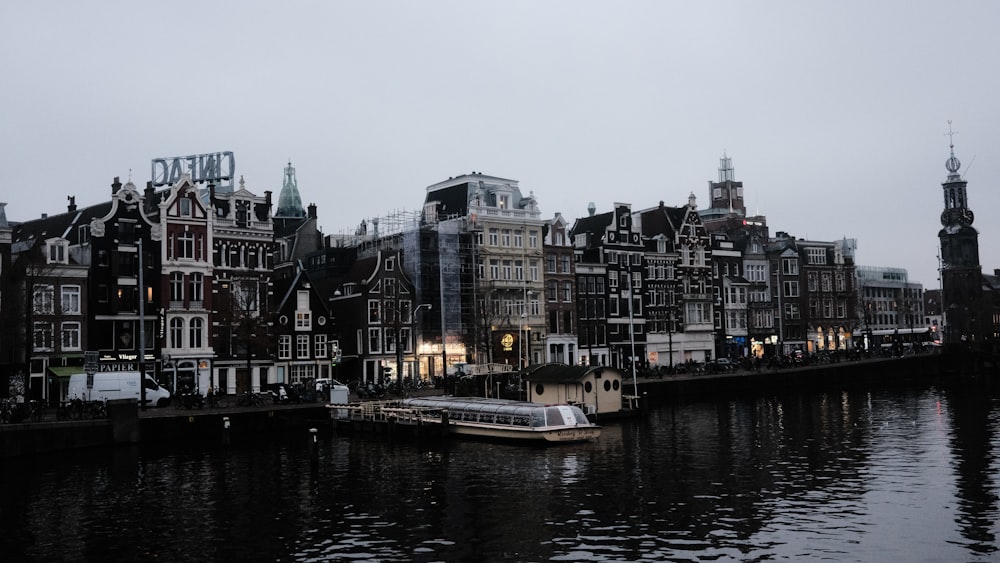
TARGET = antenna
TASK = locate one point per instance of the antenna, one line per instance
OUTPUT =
(968, 167)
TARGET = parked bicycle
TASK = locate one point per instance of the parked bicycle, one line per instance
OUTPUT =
(250, 399)
(217, 399)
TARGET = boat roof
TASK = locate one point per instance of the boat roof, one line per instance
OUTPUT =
(563, 373)
(476, 404)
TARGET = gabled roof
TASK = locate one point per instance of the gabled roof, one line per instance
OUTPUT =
(297, 283)
(596, 225)
(663, 220)
(63, 225)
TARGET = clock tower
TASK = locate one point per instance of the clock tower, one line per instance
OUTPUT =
(961, 274)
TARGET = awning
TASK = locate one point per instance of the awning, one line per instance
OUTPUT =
(60, 371)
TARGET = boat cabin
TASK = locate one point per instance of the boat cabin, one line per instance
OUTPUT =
(596, 390)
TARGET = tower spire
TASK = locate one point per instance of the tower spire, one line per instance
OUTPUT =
(952, 164)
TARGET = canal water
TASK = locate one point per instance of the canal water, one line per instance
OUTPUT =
(855, 474)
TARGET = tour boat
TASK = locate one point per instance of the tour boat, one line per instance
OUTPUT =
(505, 419)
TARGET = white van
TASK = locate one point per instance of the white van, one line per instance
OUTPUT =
(116, 385)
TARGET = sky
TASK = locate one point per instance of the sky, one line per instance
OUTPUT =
(835, 114)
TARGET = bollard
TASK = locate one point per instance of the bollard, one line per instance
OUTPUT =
(314, 444)
(225, 430)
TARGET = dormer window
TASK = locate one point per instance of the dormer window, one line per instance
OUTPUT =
(242, 213)
(184, 207)
(57, 251)
(503, 202)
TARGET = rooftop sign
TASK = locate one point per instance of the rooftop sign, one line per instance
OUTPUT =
(218, 168)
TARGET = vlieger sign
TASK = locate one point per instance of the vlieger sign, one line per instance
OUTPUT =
(218, 167)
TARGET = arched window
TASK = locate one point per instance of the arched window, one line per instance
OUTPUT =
(176, 332)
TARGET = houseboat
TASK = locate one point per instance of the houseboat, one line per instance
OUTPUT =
(505, 419)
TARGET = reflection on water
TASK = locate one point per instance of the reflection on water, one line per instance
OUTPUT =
(852, 475)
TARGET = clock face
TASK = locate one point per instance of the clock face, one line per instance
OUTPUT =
(966, 217)
(944, 217)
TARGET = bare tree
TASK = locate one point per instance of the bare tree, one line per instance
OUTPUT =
(244, 320)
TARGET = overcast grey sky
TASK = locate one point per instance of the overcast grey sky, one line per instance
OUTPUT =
(834, 113)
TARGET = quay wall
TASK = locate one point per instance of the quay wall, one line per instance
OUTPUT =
(835, 374)
(127, 425)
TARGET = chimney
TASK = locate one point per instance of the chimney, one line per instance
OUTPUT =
(149, 198)
(72, 203)
(312, 211)
(116, 185)
(267, 199)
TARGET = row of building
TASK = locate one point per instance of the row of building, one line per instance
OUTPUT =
(202, 284)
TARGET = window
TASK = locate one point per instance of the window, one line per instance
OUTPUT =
(790, 266)
(184, 207)
(57, 251)
(176, 332)
(197, 287)
(533, 239)
(242, 213)
(42, 336)
(177, 287)
(320, 345)
(70, 299)
(791, 288)
(755, 272)
(827, 281)
(303, 315)
(302, 346)
(518, 239)
(374, 340)
(565, 264)
(505, 237)
(816, 255)
(42, 299)
(518, 270)
(506, 270)
(567, 292)
(698, 313)
(70, 336)
(494, 269)
(494, 237)
(185, 245)
(374, 311)
(284, 347)
(533, 269)
(550, 290)
(791, 310)
(811, 281)
(196, 332)
(550, 264)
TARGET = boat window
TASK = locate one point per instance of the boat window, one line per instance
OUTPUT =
(539, 389)
(588, 387)
(521, 420)
(538, 418)
(607, 385)
(580, 417)
(554, 417)
(503, 419)
(617, 384)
